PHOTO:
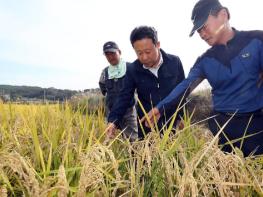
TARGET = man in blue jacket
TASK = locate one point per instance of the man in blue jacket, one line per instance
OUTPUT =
(233, 66)
(153, 75)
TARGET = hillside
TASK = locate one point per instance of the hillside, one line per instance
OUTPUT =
(33, 93)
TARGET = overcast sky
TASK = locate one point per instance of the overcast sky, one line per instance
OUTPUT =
(58, 43)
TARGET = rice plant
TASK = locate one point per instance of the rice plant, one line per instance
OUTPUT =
(61, 150)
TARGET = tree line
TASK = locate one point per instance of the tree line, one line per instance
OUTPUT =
(16, 93)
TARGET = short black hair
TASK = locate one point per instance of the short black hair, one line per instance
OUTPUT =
(141, 32)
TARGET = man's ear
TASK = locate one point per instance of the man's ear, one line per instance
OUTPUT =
(223, 12)
(158, 44)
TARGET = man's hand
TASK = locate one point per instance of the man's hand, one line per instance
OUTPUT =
(151, 117)
(111, 130)
(180, 124)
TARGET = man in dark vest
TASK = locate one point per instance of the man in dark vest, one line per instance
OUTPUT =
(111, 82)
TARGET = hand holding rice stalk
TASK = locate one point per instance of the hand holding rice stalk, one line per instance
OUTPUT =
(152, 117)
(111, 130)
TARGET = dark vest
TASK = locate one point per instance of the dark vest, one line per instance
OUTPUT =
(113, 87)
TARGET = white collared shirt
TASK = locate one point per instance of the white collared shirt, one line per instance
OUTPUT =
(155, 69)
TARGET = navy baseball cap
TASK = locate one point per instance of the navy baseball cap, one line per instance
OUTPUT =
(110, 47)
(201, 11)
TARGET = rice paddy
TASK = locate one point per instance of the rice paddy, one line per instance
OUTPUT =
(61, 150)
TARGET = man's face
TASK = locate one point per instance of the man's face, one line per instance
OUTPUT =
(113, 57)
(147, 52)
(213, 29)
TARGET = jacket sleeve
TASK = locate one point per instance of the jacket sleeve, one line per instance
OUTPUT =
(260, 83)
(124, 100)
(184, 88)
(261, 55)
(102, 82)
(181, 77)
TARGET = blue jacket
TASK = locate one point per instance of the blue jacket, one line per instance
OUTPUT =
(150, 89)
(233, 71)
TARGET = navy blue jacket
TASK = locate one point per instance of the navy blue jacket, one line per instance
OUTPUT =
(234, 71)
(150, 89)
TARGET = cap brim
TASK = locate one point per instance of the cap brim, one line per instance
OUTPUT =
(192, 31)
(198, 25)
(110, 50)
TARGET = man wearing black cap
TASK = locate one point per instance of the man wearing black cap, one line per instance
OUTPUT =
(111, 82)
(233, 66)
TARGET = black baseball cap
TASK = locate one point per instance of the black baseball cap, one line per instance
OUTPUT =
(201, 11)
(110, 47)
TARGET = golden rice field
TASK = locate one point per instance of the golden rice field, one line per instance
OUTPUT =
(55, 150)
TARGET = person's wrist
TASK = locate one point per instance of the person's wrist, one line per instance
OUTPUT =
(114, 126)
(111, 124)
